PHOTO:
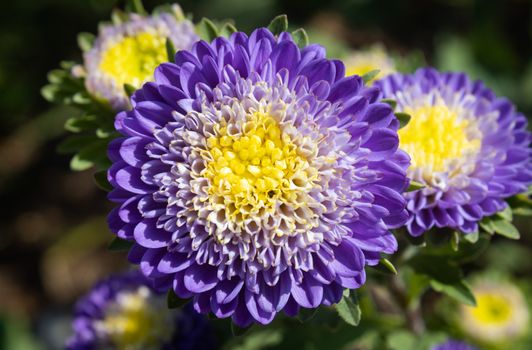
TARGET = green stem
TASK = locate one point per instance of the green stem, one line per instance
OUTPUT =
(412, 311)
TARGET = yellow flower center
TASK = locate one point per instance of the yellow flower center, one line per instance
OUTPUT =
(252, 169)
(361, 68)
(434, 136)
(492, 309)
(136, 322)
(364, 61)
(133, 59)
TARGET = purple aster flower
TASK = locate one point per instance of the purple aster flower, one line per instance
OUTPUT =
(125, 312)
(453, 345)
(128, 53)
(254, 177)
(468, 147)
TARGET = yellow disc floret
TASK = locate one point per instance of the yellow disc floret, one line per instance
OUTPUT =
(136, 323)
(361, 68)
(492, 309)
(364, 61)
(252, 166)
(133, 59)
(436, 135)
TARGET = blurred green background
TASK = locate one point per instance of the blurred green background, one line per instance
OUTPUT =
(53, 235)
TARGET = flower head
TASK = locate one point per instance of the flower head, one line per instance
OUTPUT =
(468, 147)
(452, 344)
(364, 61)
(501, 312)
(128, 53)
(124, 312)
(254, 177)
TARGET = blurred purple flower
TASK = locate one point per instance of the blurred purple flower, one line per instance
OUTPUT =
(125, 312)
(453, 345)
(468, 147)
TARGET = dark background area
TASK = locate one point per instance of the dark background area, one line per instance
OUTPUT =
(53, 234)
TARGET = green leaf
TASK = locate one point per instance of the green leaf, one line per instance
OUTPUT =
(49, 92)
(459, 291)
(81, 98)
(471, 237)
(78, 124)
(118, 16)
(455, 240)
(74, 125)
(207, 30)
(521, 204)
(173, 301)
(300, 37)
(177, 11)
(67, 65)
(487, 225)
(348, 308)
(228, 29)
(505, 228)
(369, 76)
(129, 89)
(77, 163)
(136, 6)
(169, 9)
(500, 223)
(388, 265)
(57, 76)
(385, 266)
(391, 102)
(86, 41)
(522, 211)
(414, 186)
(170, 50)
(16, 333)
(278, 25)
(100, 178)
(119, 245)
(403, 118)
(505, 214)
(105, 132)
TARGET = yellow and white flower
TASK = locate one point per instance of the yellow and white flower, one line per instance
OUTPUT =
(501, 313)
(128, 53)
